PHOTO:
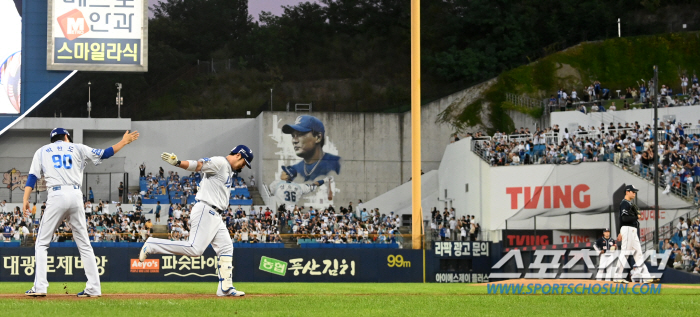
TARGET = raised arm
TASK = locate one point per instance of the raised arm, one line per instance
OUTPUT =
(126, 139)
(192, 166)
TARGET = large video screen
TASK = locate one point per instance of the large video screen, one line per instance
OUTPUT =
(10, 55)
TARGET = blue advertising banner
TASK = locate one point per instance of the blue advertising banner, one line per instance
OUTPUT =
(250, 265)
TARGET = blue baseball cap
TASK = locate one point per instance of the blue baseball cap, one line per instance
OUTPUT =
(245, 152)
(304, 124)
(290, 171)
(58, 131)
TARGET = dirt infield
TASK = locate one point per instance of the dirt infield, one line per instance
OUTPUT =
(574, 281)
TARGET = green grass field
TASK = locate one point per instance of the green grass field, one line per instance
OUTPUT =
(337, 299)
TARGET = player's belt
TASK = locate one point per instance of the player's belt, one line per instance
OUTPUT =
(55, 188)
(212, 206)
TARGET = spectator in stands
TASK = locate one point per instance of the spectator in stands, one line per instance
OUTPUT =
(91, 196)
(682, 226)
(443, 233)
(453, 229)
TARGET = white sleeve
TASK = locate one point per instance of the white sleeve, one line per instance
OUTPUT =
(94, 155)
(35, 169)
(273, 187)
(212, 165)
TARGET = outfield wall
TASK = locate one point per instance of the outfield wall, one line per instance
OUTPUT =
(266, 263)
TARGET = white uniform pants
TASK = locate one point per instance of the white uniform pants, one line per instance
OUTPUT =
(607, 261)
(65, 203)
(206, 227)
(630, 241)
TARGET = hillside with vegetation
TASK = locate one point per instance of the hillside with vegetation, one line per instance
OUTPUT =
(354, 55)
(616, 63)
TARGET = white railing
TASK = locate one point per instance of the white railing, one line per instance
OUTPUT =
(267, 197)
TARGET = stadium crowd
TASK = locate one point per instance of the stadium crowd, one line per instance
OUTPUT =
(446, 226)
(594, 93)
(684, 246)
(629, 146)
(15, 224)
(347, 225)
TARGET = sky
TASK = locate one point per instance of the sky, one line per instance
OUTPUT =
(257, 6)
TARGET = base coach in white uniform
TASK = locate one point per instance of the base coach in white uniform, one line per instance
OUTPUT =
(62, 164)
(206, 224)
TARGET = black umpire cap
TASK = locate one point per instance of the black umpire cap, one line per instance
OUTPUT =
(631, 188)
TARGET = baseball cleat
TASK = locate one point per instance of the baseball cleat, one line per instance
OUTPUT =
(233, 292)
(143, 254)
(656, 280)
(32, 293)
(84, 294)
(622, 281)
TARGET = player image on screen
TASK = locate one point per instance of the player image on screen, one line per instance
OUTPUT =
(10, 57)
(308, 138)
(288, 193)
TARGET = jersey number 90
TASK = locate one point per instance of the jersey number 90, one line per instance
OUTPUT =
(66, 162)
(290, 196)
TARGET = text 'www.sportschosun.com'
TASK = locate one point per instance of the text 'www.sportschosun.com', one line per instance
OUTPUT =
(573, 289)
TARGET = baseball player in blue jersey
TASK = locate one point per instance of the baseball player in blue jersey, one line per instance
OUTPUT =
(308, 138)
(62, 163)
(289, 193)
(206, 223)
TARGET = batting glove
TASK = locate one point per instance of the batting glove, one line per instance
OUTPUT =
(169, 157)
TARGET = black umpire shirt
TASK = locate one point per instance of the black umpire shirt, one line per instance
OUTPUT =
(605, 244)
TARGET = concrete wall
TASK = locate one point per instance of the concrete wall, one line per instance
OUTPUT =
(398, 200)
(189, 140)
(375, 149)
(523, 120)
(569, 119)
